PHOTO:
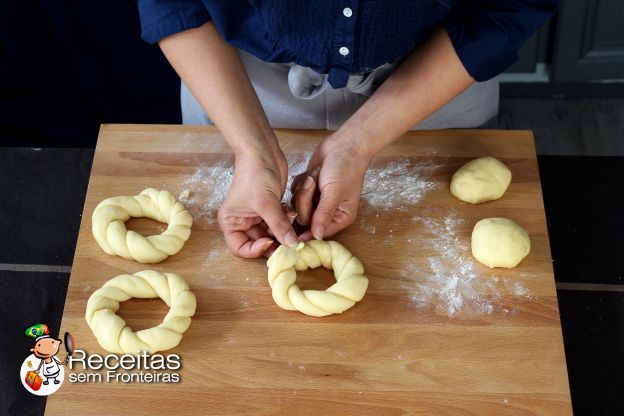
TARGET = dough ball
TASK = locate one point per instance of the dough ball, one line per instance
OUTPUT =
(500, 242)
(481, 180)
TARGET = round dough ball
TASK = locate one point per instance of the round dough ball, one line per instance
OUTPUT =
(500, 242)
(481, 180)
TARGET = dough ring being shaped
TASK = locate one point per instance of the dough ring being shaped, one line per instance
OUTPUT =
(500, 242)
(109, 228)
(481, 180)
(111, 330)
(350, 286)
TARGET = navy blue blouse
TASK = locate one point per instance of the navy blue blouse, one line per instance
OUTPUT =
(351, 36)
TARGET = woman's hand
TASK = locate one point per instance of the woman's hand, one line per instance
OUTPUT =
(336, 171)
(252, 210)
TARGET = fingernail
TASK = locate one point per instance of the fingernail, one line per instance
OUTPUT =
(315, 172)
(292, 216)
(268, 244)
(308, 183)
(291, 239)
(318, 232)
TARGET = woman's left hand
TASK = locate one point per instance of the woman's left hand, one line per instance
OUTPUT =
(337, 171)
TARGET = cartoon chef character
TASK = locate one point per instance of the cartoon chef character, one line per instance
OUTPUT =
(45, 349)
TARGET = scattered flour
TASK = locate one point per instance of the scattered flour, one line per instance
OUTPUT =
(519, 289)
(184, 196)
(369, 228)
(451, 282)
(390, 186)
(397, 184)
(207, 187)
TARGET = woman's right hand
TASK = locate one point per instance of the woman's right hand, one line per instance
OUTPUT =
(252, 210)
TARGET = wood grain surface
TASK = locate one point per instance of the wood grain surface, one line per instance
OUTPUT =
(402, 350)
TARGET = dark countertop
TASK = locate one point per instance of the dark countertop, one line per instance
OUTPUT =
(40, 214)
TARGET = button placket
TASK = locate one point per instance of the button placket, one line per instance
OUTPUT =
(342, 55)
(346, 12)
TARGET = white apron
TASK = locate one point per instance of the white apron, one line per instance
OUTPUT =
(297, 97)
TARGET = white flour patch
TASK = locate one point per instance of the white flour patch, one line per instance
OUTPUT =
(397, 184)
(213, 181)
(451, 282)
(210, 258)
(391, 186)
(369, 228)
(184, 196)
(519, 289)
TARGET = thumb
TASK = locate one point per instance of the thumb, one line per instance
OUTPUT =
(276, 219)
(325, 211)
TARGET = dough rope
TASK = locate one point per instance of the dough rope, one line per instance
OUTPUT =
(111, 330)
(109, 228)
(350, 286)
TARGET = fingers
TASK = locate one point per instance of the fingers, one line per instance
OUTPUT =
(290, 214)
(272, 213)
(324, 213)
(303, 200)
(251, 237)
(239, 244)
(268, 252)
(303, 189)
(341, 220)
(306, 236)
(238, 241)
(298, 180)
(256, 232)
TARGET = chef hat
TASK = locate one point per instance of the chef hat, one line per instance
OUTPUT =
(38, 332)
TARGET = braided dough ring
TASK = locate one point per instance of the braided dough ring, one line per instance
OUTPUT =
(350, 286)
(111, 330)
(109, 228)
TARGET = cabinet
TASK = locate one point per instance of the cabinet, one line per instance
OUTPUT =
(583, 42)
(589, 41)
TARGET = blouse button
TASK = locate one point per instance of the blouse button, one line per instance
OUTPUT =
(344, 51)
(347, 12)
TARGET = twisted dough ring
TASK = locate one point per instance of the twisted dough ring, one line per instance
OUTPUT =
(111, 330)
(109, 228)
(350, 286)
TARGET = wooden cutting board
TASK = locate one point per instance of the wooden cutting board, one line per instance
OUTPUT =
(437, 333)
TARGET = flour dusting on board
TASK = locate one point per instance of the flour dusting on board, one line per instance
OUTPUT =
(393, 185)
(451, 281)
(215, 181)
(397, 184)
(207, 187)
